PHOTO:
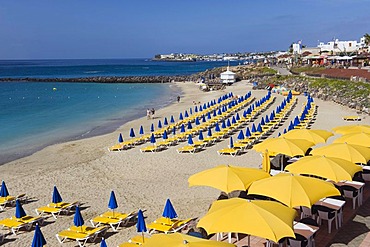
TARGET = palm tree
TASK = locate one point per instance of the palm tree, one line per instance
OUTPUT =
(367, 39)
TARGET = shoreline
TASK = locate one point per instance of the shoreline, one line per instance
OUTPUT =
(86, 171)
(109, 126)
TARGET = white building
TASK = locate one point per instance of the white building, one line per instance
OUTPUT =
(228, 76)
(297, 48)
(338, 46)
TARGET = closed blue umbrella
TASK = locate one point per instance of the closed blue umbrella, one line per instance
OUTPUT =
(165, 136)
(200, 137)
(233, 120)
(189, 125)
(196, 108)
(284, 132)
(159, 124)
(120, 138)
(140, 225)
(165, 122)
(152, 128)
(217, 128)
(248, 133)
(291, 126)
(214, 113)
(197, 121)
(191, 110)
(205, 106)
(209, 115)
(190, 140)
(174, 131)
(181, 117)
(152, 139)
(219, 111)
(172, 120)
(19, 211)
(209, 132)
(132, 132)
(3, 191)
(231, 142)
(259, 128)
(223, 125)
(77, 219)
(112, 201)
(279, 134)
(141, 131)
(38, 238)
(204, 118)
(56, 198)
(241, 135)
(169, 211)
(103, 243)
(262, 122)
(267, 119)
(186, 114)
(228, 123)
(296, 121)
(200, 108)
(254, 128)
(182, 129)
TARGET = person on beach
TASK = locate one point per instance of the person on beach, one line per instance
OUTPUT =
(178, 99)
(148, 114)
(152, 112)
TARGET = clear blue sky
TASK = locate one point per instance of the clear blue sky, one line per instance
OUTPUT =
(142, 28)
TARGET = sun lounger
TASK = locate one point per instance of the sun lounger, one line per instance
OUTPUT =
(55, 209)
(114, 221)
(241, 146)
(153, 148)
(176, 226)
(188, 149)
(230, 151)
(4, 201)
(352, 118)
(80, 234)
(14, 224)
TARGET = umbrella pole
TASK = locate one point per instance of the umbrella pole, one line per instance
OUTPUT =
(142, 233)
(249, 240)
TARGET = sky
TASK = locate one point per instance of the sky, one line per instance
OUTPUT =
(89, 29)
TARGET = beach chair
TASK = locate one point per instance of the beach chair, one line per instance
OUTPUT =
(168, 226)
(81, 234)
(189, 149)
(121, 146)
(230, 151)
(8, 200)
(14, 224)
(152, 149)
(55, 209)
(113, 220)
(241, 146)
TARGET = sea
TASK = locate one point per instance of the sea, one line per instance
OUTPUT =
(34, 115)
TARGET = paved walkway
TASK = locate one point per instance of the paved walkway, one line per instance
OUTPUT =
(281, 70)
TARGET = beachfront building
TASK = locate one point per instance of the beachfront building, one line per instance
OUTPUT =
(228, 77)
(336, 46)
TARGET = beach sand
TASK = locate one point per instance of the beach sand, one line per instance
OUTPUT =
(86, 171)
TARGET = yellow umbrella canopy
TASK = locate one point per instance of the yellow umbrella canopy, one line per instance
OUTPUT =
(293, 190)
(265, 219)
(358, 138)
(227, 178)
(315, 136)
(335, 169)
(266, 163)
(181, 240)
(347, 129)
(353, 153)
(285, 146)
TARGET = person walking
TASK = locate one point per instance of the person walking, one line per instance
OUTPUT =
(148, 114)
(178, 99)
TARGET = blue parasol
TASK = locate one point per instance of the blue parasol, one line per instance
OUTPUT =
(112, 201)
(233, 120)
(231, 142)
(77, 219)
(172, 120)
(186, 113)
(56, 198)
(267, 119)
(223, 125)
(174, 131)
(132, 132)
(197, 121)
(248, 133)
(120, 138)
(181, 117)
(169, 211)
(209, 115)
(19, 211)
(140, 225)
(196, 108)
(159, 124)
(152, 139)
(190, 140)
(209, 132)
(152, 128)
(165, 122)
(214, 113)
(200, 108)
(191, 111)
(189, 125)
(3, 191)
(141, 131)
(182, 129)
(219, 111)
(165, 136)
(259, 128)
(241, 135)
(200, 137)
(254, 128)
(38, 238)
(228, 123)
(217, 127)
(103, 243)
(204, 118)
(262, 121)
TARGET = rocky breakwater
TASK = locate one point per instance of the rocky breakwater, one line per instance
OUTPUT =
(108, 79)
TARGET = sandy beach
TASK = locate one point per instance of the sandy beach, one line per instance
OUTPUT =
(86, 171)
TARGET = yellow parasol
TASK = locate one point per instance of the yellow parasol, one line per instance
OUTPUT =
(358, 138)
(332, 168)
(353, 153)
(315, 136)
(227, 178)
(347, 129)
(266, 163)
(293, 190)
(265, 219)
(285, 146)
(181, 240)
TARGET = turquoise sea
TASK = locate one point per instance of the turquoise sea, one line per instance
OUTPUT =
(33, 115)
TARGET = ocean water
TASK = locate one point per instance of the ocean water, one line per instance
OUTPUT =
(33, 115)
